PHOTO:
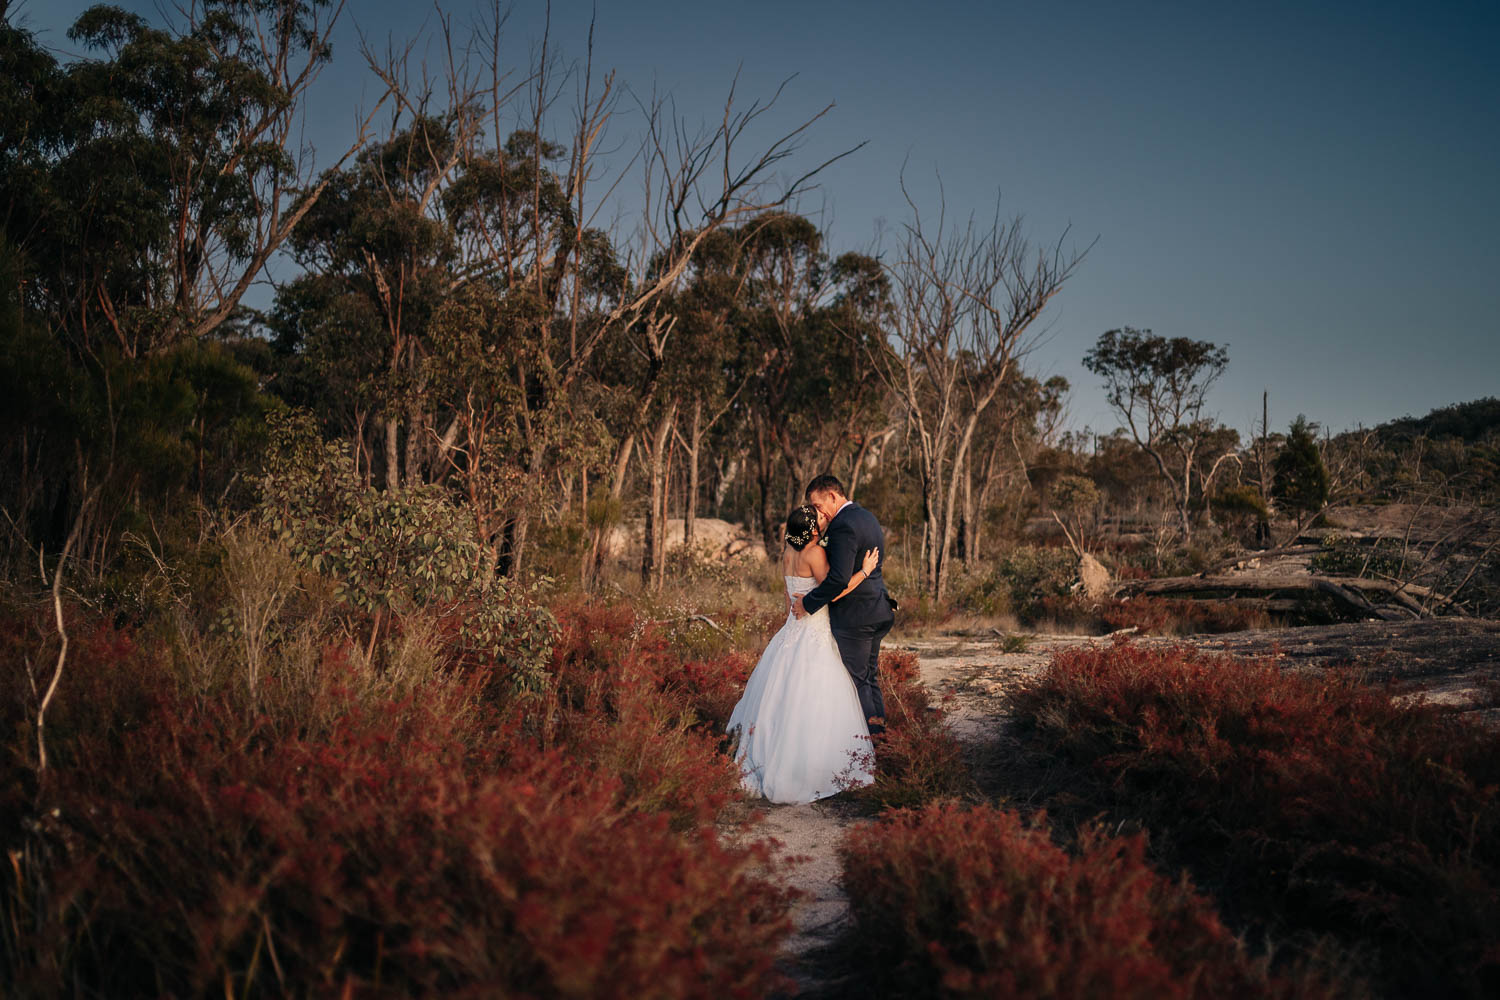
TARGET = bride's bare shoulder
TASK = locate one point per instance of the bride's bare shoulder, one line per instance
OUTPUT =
(814, 562)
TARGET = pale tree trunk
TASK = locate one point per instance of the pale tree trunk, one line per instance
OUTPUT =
(950, 509)
(987, 482)
(653, 551)
(931, 536)
(599, 549)
(970, 547)
(694, 449)
(361, 459)
(858, 464)
(728, 472)
(1185, 500)
(763, 467)
(519, 533)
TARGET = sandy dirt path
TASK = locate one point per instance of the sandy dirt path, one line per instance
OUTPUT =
(972, 674)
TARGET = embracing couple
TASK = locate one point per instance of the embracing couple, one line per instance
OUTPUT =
(813, 701)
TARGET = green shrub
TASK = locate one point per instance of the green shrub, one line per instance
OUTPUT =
(1347, 557)
(399, 552)
(1034, 574)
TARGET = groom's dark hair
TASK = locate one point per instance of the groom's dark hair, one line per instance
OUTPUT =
(826, 483)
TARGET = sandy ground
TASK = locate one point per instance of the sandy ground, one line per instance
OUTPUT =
(972, 673)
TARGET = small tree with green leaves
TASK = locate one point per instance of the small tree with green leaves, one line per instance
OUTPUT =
(1159, 386)
(397, 552)
(1301, 479)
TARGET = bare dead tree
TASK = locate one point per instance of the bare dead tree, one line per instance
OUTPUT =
(966, 298)
(694, 181)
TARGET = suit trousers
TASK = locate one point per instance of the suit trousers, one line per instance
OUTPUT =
(859, 648)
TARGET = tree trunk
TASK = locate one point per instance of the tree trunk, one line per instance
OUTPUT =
(392, 455)
(522, 530)
(728, 472)
(970, 547)
(695, 445)
(652, 551)
(415, 431)
(764, 461)
(931, 505)
(599, 547)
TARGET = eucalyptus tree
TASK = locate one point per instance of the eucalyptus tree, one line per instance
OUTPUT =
(173, 163)
(145, 186)
(1022, 420)
(483, 207)
(378, 236)
(807, 331)
(709, 349)
(1159, 387)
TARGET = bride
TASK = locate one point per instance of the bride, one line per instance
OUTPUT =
(802, 734)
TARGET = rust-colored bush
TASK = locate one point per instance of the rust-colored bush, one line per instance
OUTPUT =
(958, 902)
(355, 838)
(1318, 803)
(917, 759)
(1164, 616)
(627, 701)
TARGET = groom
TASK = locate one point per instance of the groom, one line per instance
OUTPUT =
(862, 618)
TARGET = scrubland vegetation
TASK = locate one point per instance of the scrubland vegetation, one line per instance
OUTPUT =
(323, 671)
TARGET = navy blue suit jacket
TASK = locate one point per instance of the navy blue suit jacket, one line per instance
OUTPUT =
(853, 532)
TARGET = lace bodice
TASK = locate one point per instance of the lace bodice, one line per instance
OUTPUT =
(798, 585)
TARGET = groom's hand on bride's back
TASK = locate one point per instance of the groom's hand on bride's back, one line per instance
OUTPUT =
(797, 607)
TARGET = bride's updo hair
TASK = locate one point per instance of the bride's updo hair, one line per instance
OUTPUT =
(800, 525)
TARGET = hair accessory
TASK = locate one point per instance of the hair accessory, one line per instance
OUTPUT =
(799, 538)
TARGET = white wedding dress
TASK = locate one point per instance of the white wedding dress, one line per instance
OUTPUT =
(802, 734)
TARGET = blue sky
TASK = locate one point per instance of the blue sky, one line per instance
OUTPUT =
(1316, 185)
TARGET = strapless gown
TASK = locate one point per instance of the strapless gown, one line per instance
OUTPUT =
(802, 734)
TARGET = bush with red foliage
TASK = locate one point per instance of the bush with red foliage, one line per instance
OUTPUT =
(917, 759)
(391, 852)
(1151, 615)
(974, 902)
(328, 835)
(1162, 616)
(624, 699)
(599, 638)
(1316, 803)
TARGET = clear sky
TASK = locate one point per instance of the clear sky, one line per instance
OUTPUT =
(1314, 184)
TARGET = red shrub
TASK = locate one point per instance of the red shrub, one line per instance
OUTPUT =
(713, 687)
(630, 726)
(1163, 616)
(1319, 802)
(382, 857)
(973, 902)
(626, 701)
(917, 759)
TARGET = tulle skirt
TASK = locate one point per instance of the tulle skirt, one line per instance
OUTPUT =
(802, 734)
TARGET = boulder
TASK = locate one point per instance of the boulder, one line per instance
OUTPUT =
(1095, 579)
(711, 536)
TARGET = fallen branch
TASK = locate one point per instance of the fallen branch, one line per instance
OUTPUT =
(62, 651)
(693, 618)
(1248, 557)
(1348, 590)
